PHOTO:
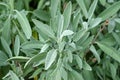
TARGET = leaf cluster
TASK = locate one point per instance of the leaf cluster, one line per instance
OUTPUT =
(59, 39)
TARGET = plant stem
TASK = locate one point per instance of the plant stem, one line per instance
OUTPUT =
(101, 29)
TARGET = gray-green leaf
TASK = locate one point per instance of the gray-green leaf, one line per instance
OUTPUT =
(50, 58)
(6, 47)
(79, 61)
(109, 51)
(92, 48)
(113, 70)
(44, 48)
(77, 75)
(92, 9)
(86, 66)
(35, 58)
(42, 15)
(67, 15)
(31, 45)
(17, 45)
(11, 75)
(79, 35)
(83, 7)
(66, 33)
(95, 22)
(54, 7)
(19, 58)
(22, 19)
(110, 11)
(7, 30)
(44, 28)
(3, 58)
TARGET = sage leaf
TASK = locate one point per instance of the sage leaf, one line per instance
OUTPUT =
(44, 28)
(54, 7)
(50, 58)
(6, 47)
(92, 9)
(92, 48)
(36, 58)
(17, 46)
(67, 15)
(66, 33)
(109, 51)
(22, 19)
(83, 7)
(86, 66)
(110, 11)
